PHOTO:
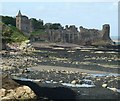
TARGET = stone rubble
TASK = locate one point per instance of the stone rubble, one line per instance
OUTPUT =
(22, 56)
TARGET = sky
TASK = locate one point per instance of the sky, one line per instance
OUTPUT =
(87, 14)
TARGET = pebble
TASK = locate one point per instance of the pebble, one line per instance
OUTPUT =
(104, 85)
(98, 79)
(74, 82)
(83, 73)
(60, 81)
(38, 80)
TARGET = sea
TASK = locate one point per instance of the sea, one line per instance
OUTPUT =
(116, 39)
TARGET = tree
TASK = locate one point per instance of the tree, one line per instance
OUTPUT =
(6, 34)
(55, 26)
(9, 20)
(37, 24)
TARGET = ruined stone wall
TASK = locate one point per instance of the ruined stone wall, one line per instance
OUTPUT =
(91, 36)
(69, 34)
(84, 37)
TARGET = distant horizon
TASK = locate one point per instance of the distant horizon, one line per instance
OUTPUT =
(89, 15)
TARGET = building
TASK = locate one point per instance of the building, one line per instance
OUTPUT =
(22, 23)
(69, 34)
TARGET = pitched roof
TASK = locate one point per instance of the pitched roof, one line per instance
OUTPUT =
(19, 13)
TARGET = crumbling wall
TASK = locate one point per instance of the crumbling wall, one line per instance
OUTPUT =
(70, 34)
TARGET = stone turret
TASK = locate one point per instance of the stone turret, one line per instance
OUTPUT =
(19, 13)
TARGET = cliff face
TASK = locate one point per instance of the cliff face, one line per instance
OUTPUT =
(83, 37)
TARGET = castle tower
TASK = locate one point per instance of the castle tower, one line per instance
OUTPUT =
(106, 31)
(18, 20)
(22, 23)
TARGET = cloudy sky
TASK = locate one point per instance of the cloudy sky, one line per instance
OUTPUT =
(86, 14)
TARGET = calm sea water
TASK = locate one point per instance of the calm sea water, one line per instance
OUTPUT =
(118, 43)
(116, 39)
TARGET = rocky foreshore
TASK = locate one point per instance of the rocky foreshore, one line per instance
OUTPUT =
(88, 86)
(14, 60)
(18, 56)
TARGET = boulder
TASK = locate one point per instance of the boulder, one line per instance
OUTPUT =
(27, 89)
(19, 92)
(24, 92)
(2, 92)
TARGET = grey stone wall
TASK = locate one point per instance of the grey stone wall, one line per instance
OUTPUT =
(85, 36)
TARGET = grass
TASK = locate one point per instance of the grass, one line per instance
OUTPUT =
(38, 32)
(16, 34)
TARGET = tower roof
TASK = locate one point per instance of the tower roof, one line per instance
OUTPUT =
(19, 13)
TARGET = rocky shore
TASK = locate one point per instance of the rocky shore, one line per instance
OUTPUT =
(88, 85)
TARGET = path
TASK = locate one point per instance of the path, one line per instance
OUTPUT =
(41, 67)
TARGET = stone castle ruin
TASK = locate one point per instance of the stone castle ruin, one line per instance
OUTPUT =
(84, 37)
(24, 24)
(69, 34)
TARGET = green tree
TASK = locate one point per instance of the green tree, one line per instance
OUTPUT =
(55, 26)
(6, 34)
(37, 24)
(8, 20)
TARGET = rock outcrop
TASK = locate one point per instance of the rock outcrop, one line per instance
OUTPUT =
(12, 91)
